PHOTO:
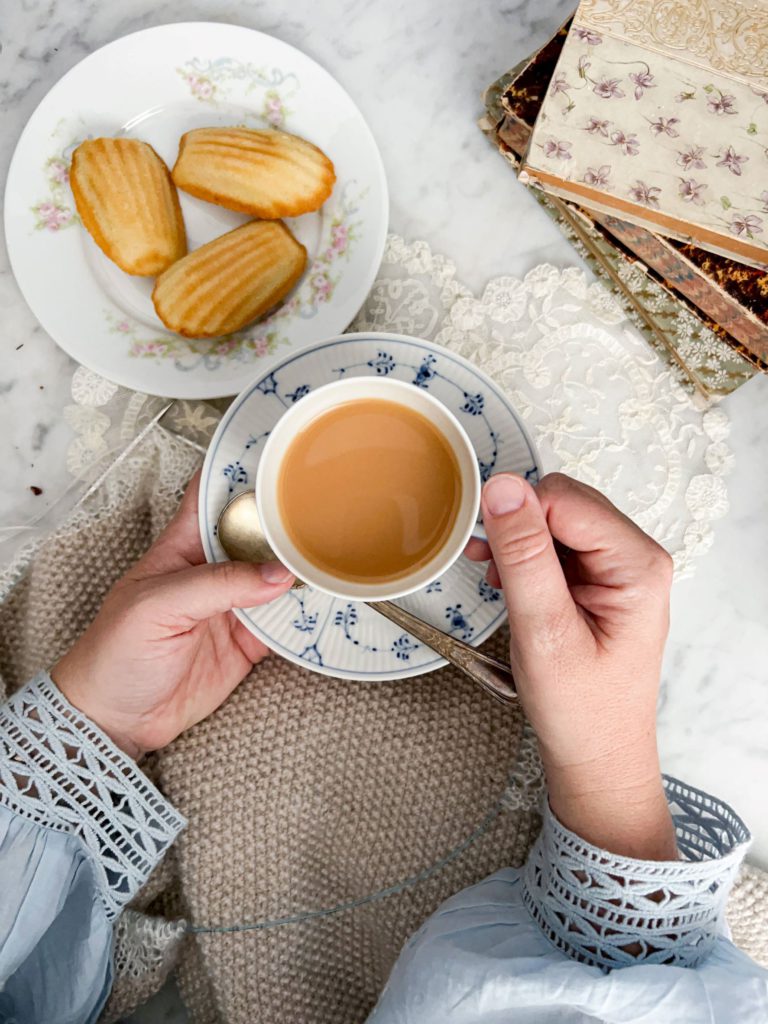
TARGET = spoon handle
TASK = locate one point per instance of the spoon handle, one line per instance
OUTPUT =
(494, 676)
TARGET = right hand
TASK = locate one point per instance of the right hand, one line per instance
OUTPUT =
(587, 638)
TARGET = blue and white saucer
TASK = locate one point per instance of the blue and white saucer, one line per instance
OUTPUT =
(325, 634)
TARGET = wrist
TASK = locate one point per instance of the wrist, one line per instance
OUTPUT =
(617, 803)
(66, 777)
(67, 684)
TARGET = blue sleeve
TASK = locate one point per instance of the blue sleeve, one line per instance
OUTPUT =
(55, 939)
(545, 944)
(81, 828)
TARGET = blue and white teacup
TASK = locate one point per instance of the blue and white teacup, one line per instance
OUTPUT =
(329, 397)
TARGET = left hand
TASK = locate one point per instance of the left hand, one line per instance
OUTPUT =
(165, 649)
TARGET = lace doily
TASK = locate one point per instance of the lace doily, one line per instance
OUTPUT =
(145, 952)
(598, 402)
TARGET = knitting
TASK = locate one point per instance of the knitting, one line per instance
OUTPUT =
(327, 818)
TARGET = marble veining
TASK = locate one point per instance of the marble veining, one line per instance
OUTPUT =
(417, 68)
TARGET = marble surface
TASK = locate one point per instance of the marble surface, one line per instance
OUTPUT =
(417, 69)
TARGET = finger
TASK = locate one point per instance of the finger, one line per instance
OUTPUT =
(179, 545)
(477, 550)
(492, 576)
(540, 606)
(201, 591)
(253, 648)
(610, 548)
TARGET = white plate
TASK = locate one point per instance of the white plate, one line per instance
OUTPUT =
(155, 85)
(342, 638)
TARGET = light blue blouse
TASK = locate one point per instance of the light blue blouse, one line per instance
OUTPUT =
(481, 959)
(81, 828)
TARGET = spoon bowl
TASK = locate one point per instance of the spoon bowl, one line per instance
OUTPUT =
(240, 534)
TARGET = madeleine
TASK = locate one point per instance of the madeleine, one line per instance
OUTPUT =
(128, 204)
(231, 281)
(268, 174)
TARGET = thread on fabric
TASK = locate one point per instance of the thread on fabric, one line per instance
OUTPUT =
(301, 791)
(382, 894)
(308, 792)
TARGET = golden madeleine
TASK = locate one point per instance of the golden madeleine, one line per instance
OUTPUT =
(269, 174)
(236, 278)
(128, 204)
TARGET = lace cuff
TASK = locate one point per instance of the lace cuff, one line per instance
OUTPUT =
(614, 911)
(59, 770)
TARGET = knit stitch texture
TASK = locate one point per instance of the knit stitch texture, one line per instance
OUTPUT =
(328, 819)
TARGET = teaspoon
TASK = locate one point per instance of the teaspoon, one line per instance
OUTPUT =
(240, 534)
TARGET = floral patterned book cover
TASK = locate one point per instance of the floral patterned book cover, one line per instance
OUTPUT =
(704, 359)
(727, 291)
(658, 112)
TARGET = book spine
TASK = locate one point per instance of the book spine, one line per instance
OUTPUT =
(739, 322)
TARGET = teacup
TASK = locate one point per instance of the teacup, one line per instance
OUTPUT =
(331, 397)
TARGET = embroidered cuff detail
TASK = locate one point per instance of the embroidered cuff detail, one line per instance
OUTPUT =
(59, 770)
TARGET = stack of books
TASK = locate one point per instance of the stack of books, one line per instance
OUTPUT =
(642, 128)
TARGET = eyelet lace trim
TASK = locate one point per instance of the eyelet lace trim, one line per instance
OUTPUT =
(613, 911)
(61, 771)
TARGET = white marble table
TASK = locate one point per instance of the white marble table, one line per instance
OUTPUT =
(417, 69)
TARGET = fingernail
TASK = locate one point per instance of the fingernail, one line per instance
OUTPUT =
(275, 572)
(504, 494)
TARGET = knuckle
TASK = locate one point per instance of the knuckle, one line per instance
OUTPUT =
(653, 582)
(519, 548)
(653, 565)
(228, 573)
(552, 631)
(661, 566)
(638, 594)
(555, 483)
(559, 485)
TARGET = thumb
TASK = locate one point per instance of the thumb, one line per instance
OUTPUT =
(538, 600)
(197, 593)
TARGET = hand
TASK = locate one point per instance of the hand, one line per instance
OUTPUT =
(165, 649)
(587, 638)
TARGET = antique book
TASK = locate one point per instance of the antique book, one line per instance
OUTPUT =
(693, 347)
(657, 113)
(733, 294)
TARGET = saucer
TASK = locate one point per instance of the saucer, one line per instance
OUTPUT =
(346, 639)
(155, 85)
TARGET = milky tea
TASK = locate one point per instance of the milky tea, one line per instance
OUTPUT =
(369, 491)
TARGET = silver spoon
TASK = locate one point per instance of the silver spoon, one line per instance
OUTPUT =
(240, 533)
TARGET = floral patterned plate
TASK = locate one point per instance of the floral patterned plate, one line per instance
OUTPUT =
(155, 85)
(335, 637)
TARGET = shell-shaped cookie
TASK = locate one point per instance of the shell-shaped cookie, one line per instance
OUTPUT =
(236, 278)
(128, 204)
(268, 174)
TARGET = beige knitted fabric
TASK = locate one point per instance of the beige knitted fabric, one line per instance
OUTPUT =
(327, 818)
(49, 594)
(361, 805)
(748, 913)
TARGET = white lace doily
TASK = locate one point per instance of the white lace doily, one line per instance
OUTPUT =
(599, 403)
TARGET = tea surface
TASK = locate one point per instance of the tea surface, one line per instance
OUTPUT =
(369, 491)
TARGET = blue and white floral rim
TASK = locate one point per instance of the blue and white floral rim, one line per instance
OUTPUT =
(346, 639)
